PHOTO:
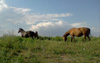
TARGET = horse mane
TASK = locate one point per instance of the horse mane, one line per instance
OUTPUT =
(21, 29)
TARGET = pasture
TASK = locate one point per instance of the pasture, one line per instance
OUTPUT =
(15, 49)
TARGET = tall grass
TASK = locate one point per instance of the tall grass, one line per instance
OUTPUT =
(15, 49)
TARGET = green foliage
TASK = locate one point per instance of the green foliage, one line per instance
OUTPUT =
(15, 49)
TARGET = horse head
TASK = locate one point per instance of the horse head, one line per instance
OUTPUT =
(20, 30)
(64, 37)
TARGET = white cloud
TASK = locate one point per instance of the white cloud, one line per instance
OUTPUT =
(59, 28)
(2, 5)
(95, 31)
(46, 24)
(52, 15)
(11, 15)
(22, 15)
(51, 28)
(81, 24)
(31, 19)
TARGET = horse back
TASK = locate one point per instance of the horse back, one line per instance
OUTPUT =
(85, 30)
(79, 31)
(29, 31)
(75, 32)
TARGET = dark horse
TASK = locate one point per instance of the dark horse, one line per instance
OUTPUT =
(83, 31)
(28, 33)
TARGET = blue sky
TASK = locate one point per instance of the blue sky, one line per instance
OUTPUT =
(49, 17)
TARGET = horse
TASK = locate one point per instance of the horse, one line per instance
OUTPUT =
(27, 34)
(78, 32)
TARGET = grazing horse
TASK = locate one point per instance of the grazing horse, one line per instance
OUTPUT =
(83, 31)
(27, 34)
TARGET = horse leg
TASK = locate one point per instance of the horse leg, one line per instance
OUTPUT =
(89, 38)
(32, 37)
(84, 38)
(73, 38)
(22, 35)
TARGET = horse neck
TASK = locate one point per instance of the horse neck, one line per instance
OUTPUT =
(66, 34)
(22, 31)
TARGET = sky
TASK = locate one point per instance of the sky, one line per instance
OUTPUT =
(49, 17)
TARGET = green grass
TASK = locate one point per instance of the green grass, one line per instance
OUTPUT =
(15, 49)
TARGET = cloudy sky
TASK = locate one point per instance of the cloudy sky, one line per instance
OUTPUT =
(49, 17)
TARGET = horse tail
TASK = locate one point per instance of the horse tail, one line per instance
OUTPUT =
(36, 33)
(89, 32)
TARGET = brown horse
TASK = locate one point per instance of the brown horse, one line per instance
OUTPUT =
(27, 34)
(83, 31)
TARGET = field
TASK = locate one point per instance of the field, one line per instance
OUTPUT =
(15, 49)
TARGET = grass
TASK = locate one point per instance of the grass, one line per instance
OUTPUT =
(15, 49)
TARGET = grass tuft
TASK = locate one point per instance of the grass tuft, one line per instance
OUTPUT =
(15, 49)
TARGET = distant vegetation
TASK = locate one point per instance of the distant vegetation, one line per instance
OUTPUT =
(15, 49)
